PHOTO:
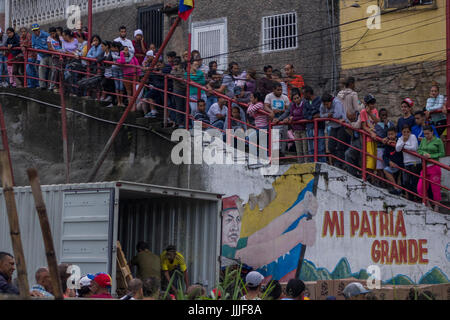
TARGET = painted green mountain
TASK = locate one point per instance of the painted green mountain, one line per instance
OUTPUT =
(342, 270)
(400, 280)
(435, 276)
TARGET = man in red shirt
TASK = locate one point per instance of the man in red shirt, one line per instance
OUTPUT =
(293, 80)
(100, 286)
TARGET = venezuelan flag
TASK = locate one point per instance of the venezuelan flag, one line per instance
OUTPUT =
(185, 9)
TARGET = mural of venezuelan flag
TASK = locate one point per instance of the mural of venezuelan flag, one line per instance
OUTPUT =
(290, 189)
(286, 265)
(185, 9)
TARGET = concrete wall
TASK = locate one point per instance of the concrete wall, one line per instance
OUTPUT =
(352, 226)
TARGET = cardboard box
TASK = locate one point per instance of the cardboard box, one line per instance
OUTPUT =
(385, 293)
(324, 288)
(445, 291)
(310, 290)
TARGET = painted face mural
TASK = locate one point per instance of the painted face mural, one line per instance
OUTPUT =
(272, 237)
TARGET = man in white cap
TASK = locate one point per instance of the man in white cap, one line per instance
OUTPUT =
(355, 291)
(253, 285)
(85, 283)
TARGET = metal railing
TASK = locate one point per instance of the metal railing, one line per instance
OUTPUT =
(64, 59)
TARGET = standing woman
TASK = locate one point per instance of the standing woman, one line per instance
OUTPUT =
(431, 148)
(140, 47)
(129, 73)
(95, 52)
(198, 77)
(107, 82)
(54, 44)
(436, 102)
(409, 142)
(70, 46)
(13, 41)
(296, 114)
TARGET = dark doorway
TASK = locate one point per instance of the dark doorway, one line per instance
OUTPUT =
(151, 22)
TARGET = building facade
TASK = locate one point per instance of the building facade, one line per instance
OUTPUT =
(401, 56)
(252, 33)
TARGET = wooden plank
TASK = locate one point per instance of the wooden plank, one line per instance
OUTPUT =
(46, 233)
(11, 209)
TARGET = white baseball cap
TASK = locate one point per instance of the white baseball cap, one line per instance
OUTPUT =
(150, 53)
(138, 31)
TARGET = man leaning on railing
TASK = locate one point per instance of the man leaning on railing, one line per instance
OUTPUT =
(39, 41)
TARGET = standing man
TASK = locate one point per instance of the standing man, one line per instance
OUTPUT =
(148, 264)
(349, 98)
(3, 59)
(6, 271)
(229, 80)
(333, 108)
(39, 41)
(43, 282)
(124, 41)
(310, 112)
(100, 286)
(25, 43)
(293, 81)
(279, 103)
(264, 84)
(172, 261)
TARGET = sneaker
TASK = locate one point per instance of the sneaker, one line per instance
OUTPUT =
(107, 99)
(148, 115)
(56, 90)
(110, 105)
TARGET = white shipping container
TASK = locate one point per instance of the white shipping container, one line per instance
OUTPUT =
(87, 220)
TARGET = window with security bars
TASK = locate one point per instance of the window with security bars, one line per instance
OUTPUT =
(280, 32)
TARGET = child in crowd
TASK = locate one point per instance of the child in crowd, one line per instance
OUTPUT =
(436, 102)
(381, 129)
(256, 108)
(116, 48)
(431, 147)
(421, 122)
(392, 159)
(369, 118)
(408, 117)
(236, 115)
(201, 115)
(54, 44)
(297, 113)
(408, 141)
(129, 73)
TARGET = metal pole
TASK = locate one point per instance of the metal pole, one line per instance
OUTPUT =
(14, 229)
(188, 87)
(89, 23)
(166, 87)
(5, 140)
(424, 182)
(448, 75)
(108, 145)
(364, 158)
(316, 142)
(64, 124)
(46, 233)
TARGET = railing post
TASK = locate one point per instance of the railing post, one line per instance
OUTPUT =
(188, 87)
(229, 115)
(25, 63)
(424, 182)
(269, 144)
(165, 100)
(316, 140)
(364, 157)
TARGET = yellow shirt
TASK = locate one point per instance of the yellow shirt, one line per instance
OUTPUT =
(166, 265)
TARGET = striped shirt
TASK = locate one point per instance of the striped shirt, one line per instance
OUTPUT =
(261, 119)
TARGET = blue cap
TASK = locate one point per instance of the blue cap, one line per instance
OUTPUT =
(35, 26)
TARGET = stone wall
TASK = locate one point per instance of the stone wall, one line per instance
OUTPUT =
(391, 84)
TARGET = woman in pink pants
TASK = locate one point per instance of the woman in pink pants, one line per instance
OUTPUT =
(431, 147)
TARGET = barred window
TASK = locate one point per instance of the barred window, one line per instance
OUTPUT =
(280, 32)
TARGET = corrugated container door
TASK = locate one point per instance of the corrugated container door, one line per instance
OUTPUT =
(87, 229)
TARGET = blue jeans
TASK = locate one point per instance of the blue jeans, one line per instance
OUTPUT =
(209, 102)
(3, 69)
(321, 143)
(32, 72)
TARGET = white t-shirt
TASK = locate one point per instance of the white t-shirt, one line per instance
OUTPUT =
(277, 103)
(215, 109)
(126, 43)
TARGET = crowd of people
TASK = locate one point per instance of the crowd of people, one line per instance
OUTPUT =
(148, 285)
(280, 99)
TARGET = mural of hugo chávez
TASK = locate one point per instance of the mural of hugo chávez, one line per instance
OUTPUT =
(276, 249)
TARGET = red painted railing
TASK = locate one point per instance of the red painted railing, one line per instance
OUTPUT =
(64, 58)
